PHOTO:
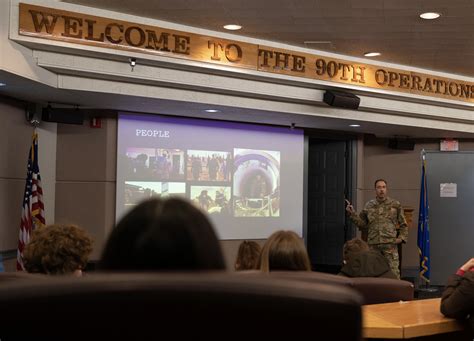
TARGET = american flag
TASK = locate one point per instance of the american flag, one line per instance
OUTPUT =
(32, 213)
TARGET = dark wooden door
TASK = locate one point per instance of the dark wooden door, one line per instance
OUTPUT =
(327, 178)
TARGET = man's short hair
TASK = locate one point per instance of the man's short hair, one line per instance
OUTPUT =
(378, 180)
(354, 246)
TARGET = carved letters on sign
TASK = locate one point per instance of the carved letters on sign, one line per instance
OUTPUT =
(78, 28)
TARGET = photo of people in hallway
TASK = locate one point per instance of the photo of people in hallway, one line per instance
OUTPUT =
(154, 164)
(205, 165)
(256, 183)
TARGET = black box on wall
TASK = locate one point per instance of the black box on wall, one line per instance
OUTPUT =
(58, 115)
(341, 99)
(401, 144)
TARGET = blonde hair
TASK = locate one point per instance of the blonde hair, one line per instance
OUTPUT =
(248, 256)
(284, 250)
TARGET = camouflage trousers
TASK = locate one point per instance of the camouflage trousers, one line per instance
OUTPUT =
(390, 252)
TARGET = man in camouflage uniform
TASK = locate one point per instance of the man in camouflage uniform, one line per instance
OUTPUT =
(383, 221)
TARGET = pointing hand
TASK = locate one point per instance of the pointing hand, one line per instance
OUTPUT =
(349, 207)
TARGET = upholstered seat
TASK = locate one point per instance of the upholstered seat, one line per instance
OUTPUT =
(174, 306)
(373, 290)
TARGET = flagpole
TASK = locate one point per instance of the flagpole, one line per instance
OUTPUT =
(423, 233)
(423, 162)
(427, 283)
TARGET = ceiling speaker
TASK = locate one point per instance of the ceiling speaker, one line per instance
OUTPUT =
(341, 99)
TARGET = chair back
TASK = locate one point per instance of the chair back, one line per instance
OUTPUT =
(383, 290)
(372, 289)
(176, 305)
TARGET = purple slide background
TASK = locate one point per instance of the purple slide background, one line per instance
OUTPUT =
(196, 134)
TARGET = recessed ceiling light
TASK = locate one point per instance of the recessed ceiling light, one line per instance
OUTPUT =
(232, 27)
(354, 125)
(211, 110)
(430, 15)
(372, 54)
(3, 84)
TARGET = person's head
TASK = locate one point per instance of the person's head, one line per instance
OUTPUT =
(57, 250)
(163, 234)
(284, 250)
(248, 256)
(352, 247)
(380, 189)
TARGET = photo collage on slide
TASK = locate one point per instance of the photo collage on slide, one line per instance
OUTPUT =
(238, 182)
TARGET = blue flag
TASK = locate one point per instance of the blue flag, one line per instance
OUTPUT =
(423, 228)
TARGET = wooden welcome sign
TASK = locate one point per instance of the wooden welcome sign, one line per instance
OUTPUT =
(78, 28)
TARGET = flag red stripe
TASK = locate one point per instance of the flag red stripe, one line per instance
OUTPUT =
(32, 215)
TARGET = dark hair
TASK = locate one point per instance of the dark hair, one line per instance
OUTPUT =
(57, 250)
(354, 246)
(284, 250)
(248, 256)
(378, 180)
(163, 234)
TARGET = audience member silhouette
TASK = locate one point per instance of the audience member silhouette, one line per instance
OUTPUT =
(458, 296)
(248, 256)
(360, 261)
(58, 250)
(163, 234)
(284, 250)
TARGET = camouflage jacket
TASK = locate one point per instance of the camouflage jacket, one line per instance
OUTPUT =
(383, 220)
